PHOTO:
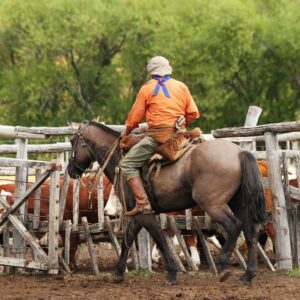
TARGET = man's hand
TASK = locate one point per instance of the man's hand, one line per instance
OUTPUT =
(126, 132)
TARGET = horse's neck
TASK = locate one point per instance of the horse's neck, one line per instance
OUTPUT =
(103, 146)
(111, 167)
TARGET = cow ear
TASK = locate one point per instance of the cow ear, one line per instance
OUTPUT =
(74, 125)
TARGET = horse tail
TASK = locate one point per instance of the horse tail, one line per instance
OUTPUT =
(251, 190)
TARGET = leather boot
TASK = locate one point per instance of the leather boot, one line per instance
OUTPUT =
(142, 201)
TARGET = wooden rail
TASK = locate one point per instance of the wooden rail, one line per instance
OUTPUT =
(103, 229)
(258, 130)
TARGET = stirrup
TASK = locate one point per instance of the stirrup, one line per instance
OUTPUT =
(146, 210)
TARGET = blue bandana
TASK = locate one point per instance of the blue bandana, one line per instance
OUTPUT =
(161, 84)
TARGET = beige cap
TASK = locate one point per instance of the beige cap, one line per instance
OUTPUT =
(159, 65)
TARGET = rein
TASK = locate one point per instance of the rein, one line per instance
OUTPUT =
(102, 167)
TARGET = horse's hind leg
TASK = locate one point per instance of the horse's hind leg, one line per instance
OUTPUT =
(251, 236)
(153, 227)
(132, 230)
(232, 227)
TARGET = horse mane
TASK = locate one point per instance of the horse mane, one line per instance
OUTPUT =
(105, 128)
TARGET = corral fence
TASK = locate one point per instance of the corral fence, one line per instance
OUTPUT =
(285, 198)
(25, 222)
(22, 231)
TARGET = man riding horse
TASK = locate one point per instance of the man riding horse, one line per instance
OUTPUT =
(163, 100)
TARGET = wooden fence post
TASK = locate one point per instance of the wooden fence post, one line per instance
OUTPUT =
(37, 203)
(279, 212)
(112, 236)
(206, 250)
(178, 262)
(182, 243)
(297, 167)
(297, 234)
(188, 218)
(68, 228)
(100, 205)
(163, 221)
(63, 196)
(134, 256)
(289, 208)
(53, 223)
(144, 241)
(251, 121)
(6, 246)
(90, 244)
(76, 186)
(19, 245)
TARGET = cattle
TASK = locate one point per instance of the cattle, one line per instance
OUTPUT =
(113, 205)
(85, 209)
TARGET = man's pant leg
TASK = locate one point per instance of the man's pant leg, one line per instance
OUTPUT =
(137, 156)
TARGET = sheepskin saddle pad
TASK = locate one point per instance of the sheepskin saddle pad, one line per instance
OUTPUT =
(172, 149)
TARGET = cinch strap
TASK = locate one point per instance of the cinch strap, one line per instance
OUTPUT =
(161, 83)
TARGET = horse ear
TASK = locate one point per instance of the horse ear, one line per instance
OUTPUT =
(96, 119)
(74, 125)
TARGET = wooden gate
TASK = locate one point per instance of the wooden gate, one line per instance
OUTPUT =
(15, 221)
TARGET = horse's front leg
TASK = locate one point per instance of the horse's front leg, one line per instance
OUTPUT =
(153, 227)
(131, 232)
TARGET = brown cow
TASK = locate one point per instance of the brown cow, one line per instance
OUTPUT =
(91, 214)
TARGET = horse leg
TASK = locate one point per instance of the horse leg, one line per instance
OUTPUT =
(152, 226)
(251, 236)
(132, 230)
(232, 227)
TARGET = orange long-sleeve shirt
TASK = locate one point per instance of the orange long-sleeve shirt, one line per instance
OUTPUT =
(161, 110)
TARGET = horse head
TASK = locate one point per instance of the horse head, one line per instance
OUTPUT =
(82, 154)
(92, 141)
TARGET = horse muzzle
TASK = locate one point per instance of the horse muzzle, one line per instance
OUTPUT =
(74, 171)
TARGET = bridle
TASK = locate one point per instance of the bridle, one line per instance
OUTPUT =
(85, 145)
(92, 156)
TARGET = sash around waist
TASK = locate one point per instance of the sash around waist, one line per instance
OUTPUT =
(161, 133)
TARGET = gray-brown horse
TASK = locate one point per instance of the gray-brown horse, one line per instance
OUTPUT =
(217, 175)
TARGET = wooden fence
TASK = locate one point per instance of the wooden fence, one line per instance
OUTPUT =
(15, 218)
(285, 211)
(285, 214)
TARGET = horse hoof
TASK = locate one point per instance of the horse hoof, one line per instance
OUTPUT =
(246, 279)
(118, 279)
(73, 267)
(224, 275)
(171, 278)
(171, 282)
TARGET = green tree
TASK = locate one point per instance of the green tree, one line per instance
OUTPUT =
(66, 60)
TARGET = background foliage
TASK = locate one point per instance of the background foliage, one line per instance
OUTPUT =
(66, 60)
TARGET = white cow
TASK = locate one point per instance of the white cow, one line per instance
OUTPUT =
(113, 207)
(4, 195)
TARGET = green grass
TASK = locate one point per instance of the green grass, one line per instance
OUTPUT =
(294, 273)
(19, 273)
(143, 272)
(201, 274)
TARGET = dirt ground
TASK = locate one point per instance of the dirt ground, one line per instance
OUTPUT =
(202, 285)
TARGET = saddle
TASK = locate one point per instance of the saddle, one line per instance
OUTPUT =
(172, 149)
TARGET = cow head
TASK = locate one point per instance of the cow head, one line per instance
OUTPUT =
(7, 198)
(113, 207)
